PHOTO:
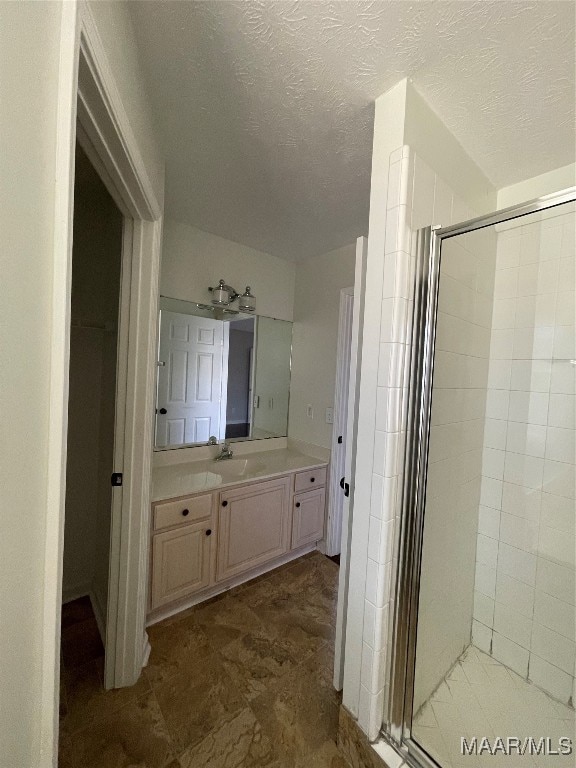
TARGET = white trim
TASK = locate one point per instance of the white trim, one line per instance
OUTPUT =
(337, 460)
(350, 460)
(108, 139)
(58, 414)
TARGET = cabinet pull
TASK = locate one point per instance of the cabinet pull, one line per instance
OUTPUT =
(312, 479)
(209, 532)
(185, 512)
(224, 503)
(297, 503)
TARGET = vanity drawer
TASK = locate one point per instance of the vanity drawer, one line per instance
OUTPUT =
(313, 478)
(182, 511)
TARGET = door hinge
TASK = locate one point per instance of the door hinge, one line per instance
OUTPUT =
(117, 478)
(345, 487)
(339, 439)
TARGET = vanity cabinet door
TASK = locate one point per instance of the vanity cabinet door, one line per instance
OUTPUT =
(180, 562)
(308, 517)
(253, 526)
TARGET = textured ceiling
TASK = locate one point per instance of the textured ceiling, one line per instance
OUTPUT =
(265, 108)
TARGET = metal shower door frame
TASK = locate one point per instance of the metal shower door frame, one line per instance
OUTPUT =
(428, 250)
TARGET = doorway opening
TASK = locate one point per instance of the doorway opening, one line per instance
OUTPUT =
(94, 321)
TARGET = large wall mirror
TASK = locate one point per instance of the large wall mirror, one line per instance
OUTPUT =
(221, 374)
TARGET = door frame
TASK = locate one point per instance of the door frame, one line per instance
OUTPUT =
(88, 98)
(350, 459)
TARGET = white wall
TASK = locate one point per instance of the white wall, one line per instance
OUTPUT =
(116, 31)
(315, 341)
(545, 184)
(29, 50)
(526, 582)
(192, 260)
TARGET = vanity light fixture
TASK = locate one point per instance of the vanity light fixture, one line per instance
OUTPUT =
(223, 295)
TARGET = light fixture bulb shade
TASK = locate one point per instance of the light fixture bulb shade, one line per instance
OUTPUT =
(220, 295)
(247, 302)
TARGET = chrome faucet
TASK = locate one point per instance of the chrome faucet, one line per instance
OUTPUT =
(225, 453)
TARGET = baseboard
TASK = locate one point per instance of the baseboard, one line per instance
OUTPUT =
(146, 650)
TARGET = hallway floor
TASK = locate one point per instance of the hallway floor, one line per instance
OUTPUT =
(481, 697)
(241, 681)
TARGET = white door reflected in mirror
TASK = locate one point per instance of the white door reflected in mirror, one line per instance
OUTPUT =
(225, 378)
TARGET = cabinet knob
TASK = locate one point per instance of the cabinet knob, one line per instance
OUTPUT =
(224, 503)
(185, 512)
(312, 479)
(163, 411)
(297, 503)
(209, 532)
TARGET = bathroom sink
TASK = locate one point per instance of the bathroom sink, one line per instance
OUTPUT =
(239, 467)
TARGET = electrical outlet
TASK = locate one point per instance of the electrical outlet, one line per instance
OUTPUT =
(329, 415)
(309, 411)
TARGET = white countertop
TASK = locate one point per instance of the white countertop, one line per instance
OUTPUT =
(183, 479)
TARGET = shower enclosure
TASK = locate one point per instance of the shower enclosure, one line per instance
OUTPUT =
(483, 639)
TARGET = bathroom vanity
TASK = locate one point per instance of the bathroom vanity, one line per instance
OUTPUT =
(216, 524)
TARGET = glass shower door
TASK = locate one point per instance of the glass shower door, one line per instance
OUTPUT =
(494, 646)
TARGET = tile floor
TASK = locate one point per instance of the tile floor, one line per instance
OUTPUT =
(241, 681)
(481, 697)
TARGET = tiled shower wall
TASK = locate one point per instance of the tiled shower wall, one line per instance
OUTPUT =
(418, 197)
(525, 579)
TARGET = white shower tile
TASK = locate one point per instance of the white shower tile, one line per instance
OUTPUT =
(497, 403)
(563, 377)
(545, 309)
(556, 545)
(519, 532)
(548, 272)
(561, 411)
(481, 636)
(531, 375)
(556, 580)
(529, 439)
(493, 463)
(513, 625)
(549, 677)
(555, 614)
(495, 433)
(510, 653)
(558, 512)
(485, 581)
(554, 648)
(520, 469)
(561, 445)
(486, 551)
(517, 563)
(565, 308)
(528, 280)
(491, 493)
(503, 313)
(506, 283)
(528, 407)
(483, 609)
(502, 344)
(489, 522)
(559, 478)
(521, 501)
(499, 372)
(564, 343)
(515, 594)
